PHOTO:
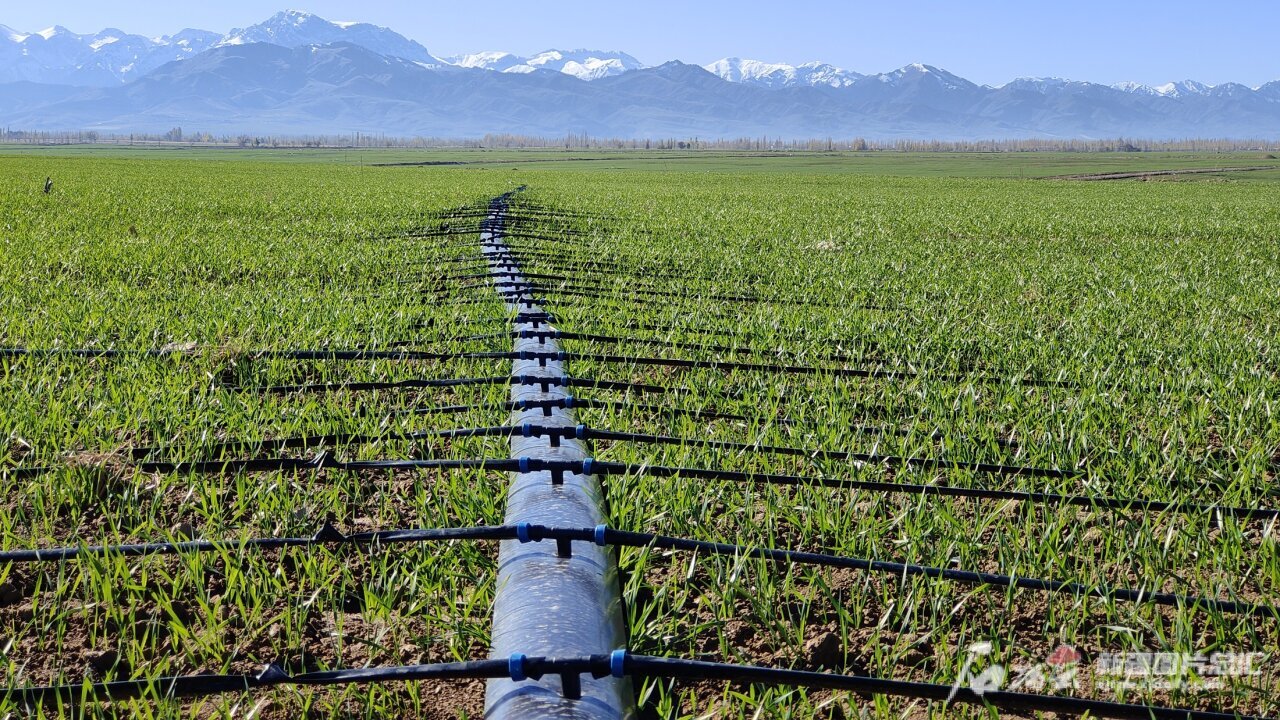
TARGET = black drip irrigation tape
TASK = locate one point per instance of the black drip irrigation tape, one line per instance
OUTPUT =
(706, 347)
(567, 238)
(582, 432)
(605, 468)
(585, 264)
(342, 354)
(706, 414)
(657, 667)
(367, 386)
(272, 676)
(628, 300)
(501, 355)
(561, 277)
(443, 241)
(445, 231)
(471, 228)
(671, 362)
(619, 664)
(448, 292)
(571, 402)
(333, 439)
(559, 262)
(478, 223)
(559, 240)
(469, 276)
(323, 461)
(421, 342)
(1084, 501)
(648, 268)
(535, 318)
(461, 302)
(416, 284)
(638, 292)
(582, 403)
(326, 536)
(620, 386)
(329, 440)
(451, 231)
(523, 210)
(967, 577)
(863, 458)
(685, 328)
(804, 369)
(639, 295)
(605, 536)
(662, 327)
(711, 332)
(439, 263)
(589, 263)
(567, 278)
(858, 428)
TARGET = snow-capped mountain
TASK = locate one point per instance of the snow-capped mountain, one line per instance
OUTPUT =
(1047, 85)
(585, 64)
(754, 72)
(343, 88)
(918, 73)
(292, 29)
(111, 57)
(1135, 88)
(582, 64)
(496, 61)
(299, 73)
(1270, 91)
(1182, 88)
(58, 56)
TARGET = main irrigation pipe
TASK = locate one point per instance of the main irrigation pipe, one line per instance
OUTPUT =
(547, 604)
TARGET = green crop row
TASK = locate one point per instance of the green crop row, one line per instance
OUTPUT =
(1149, 309)
(1123, 333)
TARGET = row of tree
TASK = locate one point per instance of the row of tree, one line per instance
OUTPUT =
(175, 137)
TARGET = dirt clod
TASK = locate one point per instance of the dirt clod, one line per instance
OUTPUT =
(739, 633)
(101, 663)
(9, 594)
(823, 651)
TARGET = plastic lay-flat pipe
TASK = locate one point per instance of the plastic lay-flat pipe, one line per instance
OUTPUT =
(546, 604)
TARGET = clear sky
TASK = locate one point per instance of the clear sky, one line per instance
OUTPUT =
(987, 41)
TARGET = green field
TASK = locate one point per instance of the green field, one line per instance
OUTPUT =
(1021, 165)
(1151, 306)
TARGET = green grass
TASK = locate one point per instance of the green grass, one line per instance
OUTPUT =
(1022, 165)
(1155, 302)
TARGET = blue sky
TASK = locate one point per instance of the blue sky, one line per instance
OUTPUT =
(987, 41)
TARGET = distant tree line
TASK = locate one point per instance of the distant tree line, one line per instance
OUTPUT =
(176, 137)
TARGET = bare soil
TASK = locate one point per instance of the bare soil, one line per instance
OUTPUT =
(1143, 175)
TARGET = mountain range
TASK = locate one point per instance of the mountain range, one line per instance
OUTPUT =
(297, 73)
(582, 64)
